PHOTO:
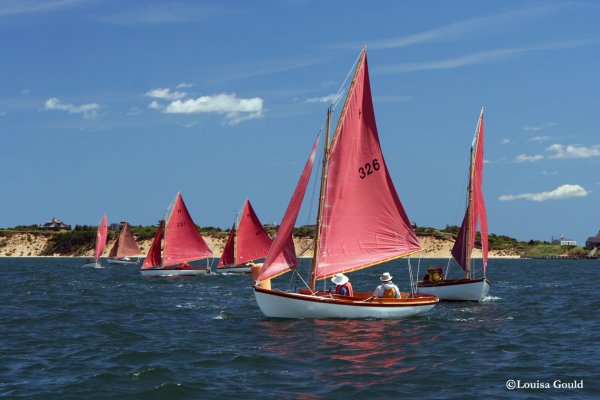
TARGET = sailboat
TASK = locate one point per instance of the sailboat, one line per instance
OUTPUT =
(100, 244)
(360, 222)
(249, 242)
(124, 247)
(468, 287)
(183, 244)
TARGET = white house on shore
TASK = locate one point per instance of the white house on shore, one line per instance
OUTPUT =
(564, 242)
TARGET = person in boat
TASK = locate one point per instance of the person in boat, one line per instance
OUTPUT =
(343, 286)
(387, 289)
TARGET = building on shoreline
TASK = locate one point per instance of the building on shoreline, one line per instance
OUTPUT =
(54, 224)
(564, 242)
(593, 241)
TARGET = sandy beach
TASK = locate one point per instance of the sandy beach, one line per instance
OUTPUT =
(32, 245)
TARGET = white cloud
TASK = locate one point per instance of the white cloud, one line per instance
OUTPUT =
(235, 109)
(527, 158)
(15, 7)
(505, 141)
(184, 85)
(539, 127)
(540, 138)
(168, 12)
(88, 110)
(155, 105)
(134, 111)
(573, 151)
(26, 92)
(560, 193)
(478, 58)
(325, 99)
(548, 173)
(165, 94)
(455, 30)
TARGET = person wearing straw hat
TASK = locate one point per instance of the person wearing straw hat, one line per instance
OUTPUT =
(387, 289)
(343, 286)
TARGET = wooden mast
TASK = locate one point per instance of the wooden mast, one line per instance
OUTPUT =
(326, 153)
(313, 274)
(468, 248)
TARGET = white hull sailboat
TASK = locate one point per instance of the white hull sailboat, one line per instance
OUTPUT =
(468, 288)
(457, 289)
(101, 237)
(360, 222)
(124, 247)
(247, 242)
(183, 244)
(279, 304)
(123, 261)
(175, 271)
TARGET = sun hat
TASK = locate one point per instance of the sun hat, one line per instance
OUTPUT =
(386, 277)
(340, 279)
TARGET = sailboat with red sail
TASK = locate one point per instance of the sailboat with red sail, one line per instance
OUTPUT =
(101, 236)
(360, 223)
(124, 248)
(247, 243)
(182, 244)
(468, 287)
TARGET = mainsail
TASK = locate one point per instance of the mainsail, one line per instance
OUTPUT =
(125, 246)
(282, 254)
(228, 255)
(476, 212)
(153, 257)
(363, 220)
(183, 242)
(101, 238)
(253, 242)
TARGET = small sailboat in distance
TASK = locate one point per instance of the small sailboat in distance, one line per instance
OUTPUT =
(248, 243)
(360, 223)
(124, 248)
(183, 244)
(469, 287)
(100, 244)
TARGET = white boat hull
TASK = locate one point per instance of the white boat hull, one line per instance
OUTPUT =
(116, 261)
(92, 265)
(457, 290)
(278, 304)
(175, 272)
(234, 270)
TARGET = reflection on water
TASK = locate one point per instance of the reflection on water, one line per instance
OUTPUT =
(357, 353)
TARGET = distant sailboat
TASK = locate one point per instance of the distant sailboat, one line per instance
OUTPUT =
(183, 243)
(467, 288)
(249, 242)
(100, 244)
(360, 222)
(124, 247)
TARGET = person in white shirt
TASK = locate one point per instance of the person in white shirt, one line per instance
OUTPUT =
(387, 289)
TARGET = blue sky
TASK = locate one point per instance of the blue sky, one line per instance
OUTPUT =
(115, 106)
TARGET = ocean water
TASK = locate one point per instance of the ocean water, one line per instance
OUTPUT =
(73, 333)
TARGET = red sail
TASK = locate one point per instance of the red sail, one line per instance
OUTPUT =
(101, 238)
(127, 244)
(476, 211)
(228, 255)
(253, 242)
(282, 254)
(183, 242)
(153, 257)
(364, 222)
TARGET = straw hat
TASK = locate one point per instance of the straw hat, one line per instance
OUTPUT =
(340, 279)
(386, 277)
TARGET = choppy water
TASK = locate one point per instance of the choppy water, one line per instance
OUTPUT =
(73, 333)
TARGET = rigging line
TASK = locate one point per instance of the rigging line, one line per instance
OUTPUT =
(412, 284)
(418, 272)
(338, 95)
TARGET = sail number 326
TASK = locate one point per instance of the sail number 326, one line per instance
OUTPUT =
(368, 169)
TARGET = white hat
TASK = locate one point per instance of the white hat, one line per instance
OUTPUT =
(340, 279)
(386, 277)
